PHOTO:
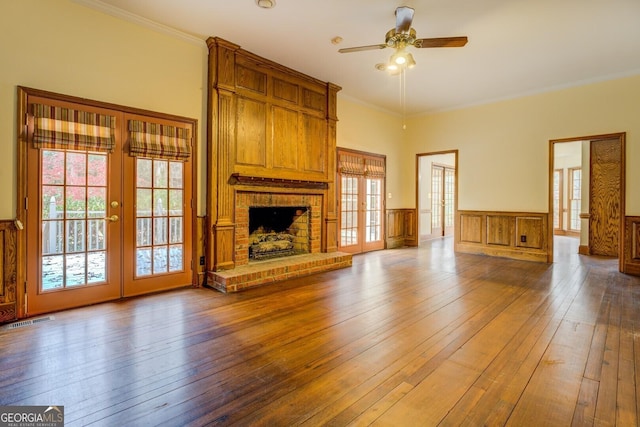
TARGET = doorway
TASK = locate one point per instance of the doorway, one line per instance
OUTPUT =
(436, 194)
(591, 203)
(107, 198)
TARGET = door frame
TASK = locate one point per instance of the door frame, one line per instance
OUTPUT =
(456, 224)
(23, 95)
(621, 137)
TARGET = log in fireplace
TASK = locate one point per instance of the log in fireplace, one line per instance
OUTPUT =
(278, 231)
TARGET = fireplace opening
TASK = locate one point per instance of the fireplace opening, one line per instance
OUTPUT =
(278, 231)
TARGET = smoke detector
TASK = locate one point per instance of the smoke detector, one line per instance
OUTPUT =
(266, 4)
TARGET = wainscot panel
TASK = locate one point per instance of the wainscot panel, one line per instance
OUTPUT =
(401, 228)
(517, 235)
(8, 270)
(632, 245)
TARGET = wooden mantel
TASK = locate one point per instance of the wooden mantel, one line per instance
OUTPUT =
(271, 128)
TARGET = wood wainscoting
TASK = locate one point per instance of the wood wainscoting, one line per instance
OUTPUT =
(631, 264)
(516, 235)
(402, 228)
(8, 271)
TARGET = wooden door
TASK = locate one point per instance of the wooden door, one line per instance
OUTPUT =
(361, 201)
(73, 196)
(605, 196)
(442, 200)
(158, 216)
(437, 201)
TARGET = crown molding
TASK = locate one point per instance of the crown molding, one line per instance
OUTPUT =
(139, 20)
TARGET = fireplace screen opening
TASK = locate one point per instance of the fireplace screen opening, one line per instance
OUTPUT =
(278, 231)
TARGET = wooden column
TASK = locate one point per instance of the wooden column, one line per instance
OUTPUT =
(330, 234)
(220, 139)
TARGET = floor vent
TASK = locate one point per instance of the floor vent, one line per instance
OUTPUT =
(29, 322)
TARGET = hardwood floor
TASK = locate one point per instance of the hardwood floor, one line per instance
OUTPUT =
(404, 337)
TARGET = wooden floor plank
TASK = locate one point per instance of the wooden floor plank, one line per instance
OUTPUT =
(411, 336)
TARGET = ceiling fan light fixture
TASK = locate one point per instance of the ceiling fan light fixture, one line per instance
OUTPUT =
(266, 4)
(399, 58)
(410, 61)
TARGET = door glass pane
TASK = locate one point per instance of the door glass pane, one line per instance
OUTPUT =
(576, 190)
(373, 213)
(349, 215)
(556, 198)
(436, 197)
(73, 246)
(449, 192)
(159, 217)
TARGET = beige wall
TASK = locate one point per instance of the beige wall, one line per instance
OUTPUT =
(64, 47)
(367, 129)
(504, 146)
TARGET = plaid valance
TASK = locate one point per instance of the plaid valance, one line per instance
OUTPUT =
(159, 141)
(374, 167)
(350, 164)
(64, 128)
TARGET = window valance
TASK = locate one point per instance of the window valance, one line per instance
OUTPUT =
(159, 141)
(64, 128)
(374, 167)
(350, 164)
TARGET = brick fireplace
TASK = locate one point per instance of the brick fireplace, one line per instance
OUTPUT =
(247, 200)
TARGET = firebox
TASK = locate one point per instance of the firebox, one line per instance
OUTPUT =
(278, 231)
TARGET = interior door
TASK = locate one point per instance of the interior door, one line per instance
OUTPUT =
(437, 201)
(605, 193)
(73, 216)
(442, 200)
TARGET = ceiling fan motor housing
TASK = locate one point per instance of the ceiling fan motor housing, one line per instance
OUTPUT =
(395, 39)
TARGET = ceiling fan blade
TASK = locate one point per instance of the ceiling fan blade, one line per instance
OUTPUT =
(441, 42)
(361, 48)
(404, 18)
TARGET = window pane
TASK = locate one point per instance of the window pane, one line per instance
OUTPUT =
(97, 173)
(143, 172)
(52, 167)
(143, 202)
(76, 169)
(160, 173)
(175, 175)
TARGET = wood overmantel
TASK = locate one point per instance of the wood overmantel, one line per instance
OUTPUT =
(271, 129)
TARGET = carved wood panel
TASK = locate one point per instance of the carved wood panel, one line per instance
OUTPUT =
(314, 130)
(499, 230)
(532, 230)
(285, 139)
(8, 271)
(632, 245)
(471, 228)
(251, 132)
(604, 221)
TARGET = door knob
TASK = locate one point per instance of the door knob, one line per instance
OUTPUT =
(112, 218)
(114, 204)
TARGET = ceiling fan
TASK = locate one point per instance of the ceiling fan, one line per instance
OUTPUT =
(402, 36)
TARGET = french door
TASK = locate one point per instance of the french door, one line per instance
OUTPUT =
(100, 222)
(442, 200)
(361, 201)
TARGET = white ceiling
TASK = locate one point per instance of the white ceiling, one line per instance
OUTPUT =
(516, 47)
